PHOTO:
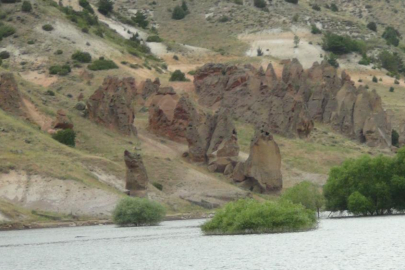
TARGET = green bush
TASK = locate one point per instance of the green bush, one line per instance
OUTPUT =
(260, 3)
(392, 36)
(4, 55)
(307, 194)
(67, 137)
(392, 89)
(332, 60)
(238, 2)
(375, 80)
(367, 186)
(178, 13)
(365, 61)
(342, 44)
(140, 20)
(334, 8)
(178, 76)
(82, 57)
(47, 27)
(26, 6)
(316, 7)
(6, 31)
(58, 52)
(184, 6)
(391, 62)
(154, 39)
(60, 70)
(372, 26)
(105, 7)
(292, 1)
(249, 216)
(224, 19)
(394, 138)
(315, 30)
(138, 212)
(86, 5)
(102, 64)
(259, 52)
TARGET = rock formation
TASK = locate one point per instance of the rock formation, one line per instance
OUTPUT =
(10, 97)
(136, 176)
(149, 88)
(289, 105)
(261, 172)
(62, 121)
(111, 105)
(214, 142)
(169, 114)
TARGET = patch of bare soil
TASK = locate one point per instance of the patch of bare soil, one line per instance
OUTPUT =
(39, 78)
(45, 122)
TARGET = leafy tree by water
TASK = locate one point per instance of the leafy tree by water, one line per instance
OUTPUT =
(132, 211)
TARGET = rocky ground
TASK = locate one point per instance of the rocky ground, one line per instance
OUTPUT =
(43, 180)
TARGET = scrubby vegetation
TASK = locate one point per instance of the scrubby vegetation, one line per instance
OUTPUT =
(391, 62)
(4, 55)
(67, 137)
(102, 64)
(60, 70)
(138, 212)
(105, 7)
(249, 216)
(292, 1)
(372, 26)
(392, 36)
(140, 20)
(307, 194)
(342, 44)
(334, 8)
(367, 186)
(47, 27)
(315, 30)
(178, 76)
(26, 6)
(82, 57)
(260, 3)
(6, 30)
(375, 80)
(86, 5)
(316, 7)
(154, 39)
(179, 13)
(332, 60)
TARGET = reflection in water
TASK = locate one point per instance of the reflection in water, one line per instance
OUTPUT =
(358, 243)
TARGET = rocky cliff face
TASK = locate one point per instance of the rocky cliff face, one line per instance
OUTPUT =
(289, 105)
(62, 121)
(169, 114)
(111, 105)
(136, 177)
(214, 141)
(10, 97)
(261, 172)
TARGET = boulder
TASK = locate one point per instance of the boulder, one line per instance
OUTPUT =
(136, 177)
(62, 121)
(111, 105)
(262, 170)
(10, 97)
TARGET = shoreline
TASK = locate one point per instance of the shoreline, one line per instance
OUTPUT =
(29, 225)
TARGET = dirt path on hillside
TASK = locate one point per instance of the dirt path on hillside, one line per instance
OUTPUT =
(41, 120)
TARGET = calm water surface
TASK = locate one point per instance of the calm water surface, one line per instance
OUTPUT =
(362, 243)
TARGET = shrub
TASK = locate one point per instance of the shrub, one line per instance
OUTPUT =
(342, 44)
(82, 57)
(259, 52)
(292, 1)
(60, 70)
(178, 13)
(392, 89)
(224, 19)
(86, 5)
(158, 186)
(372, 26)
(105, 7)
(332, 60)
(295, 18)
(249, 216)
(102, 64)
(178, 76)
(140, 20)
(6, 31)
(315, 30)
(138, 212)
(307, 194)
(30, 42)
(394, 138)
(392, 36)
(238, 2)
(316, 7)
(66, 137)
(391, 62)
(365, 61)
(58, 52)
(26, 6)
(47, 27)
(175, 57)
(50, 93)
(184, 6)
(4, 55)
(358, 204)
(375, 80)
(260, 3)
(154, 39)
(334, 8)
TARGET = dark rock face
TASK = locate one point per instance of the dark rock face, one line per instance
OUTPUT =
(169, 114)
(213, 141)
(111, 105)
(149, 88)
(136, 177)
(62, 121)
(10, 97)
(289, 105)
(261, 172)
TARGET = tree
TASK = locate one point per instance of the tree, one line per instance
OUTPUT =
(178, 76)
(296, 41)
(359, 204)
(375, 80)
(372, 26)
(105, 7)
(259, 52)
(342, 44)
(82, 57)
(391, 62)
(178, 13)
(140, 19)
(86, 5)
(392, 36)
(26, 6)
(307, 194)
(260, 3)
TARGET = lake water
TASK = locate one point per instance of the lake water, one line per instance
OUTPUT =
(358, 243)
